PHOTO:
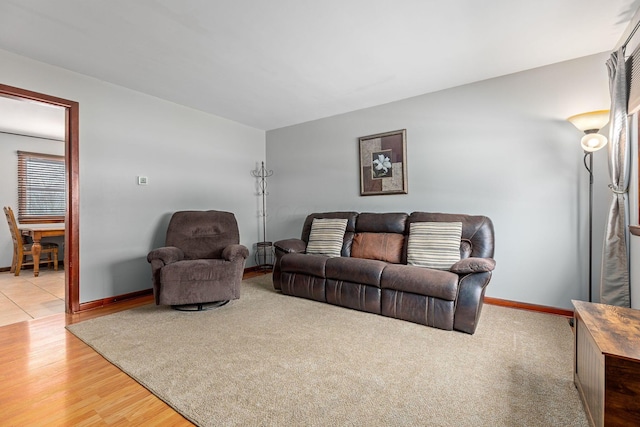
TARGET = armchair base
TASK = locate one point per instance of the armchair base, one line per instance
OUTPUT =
(200, 307)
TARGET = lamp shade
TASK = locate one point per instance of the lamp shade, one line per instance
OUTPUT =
(592, 121)
(593, 142)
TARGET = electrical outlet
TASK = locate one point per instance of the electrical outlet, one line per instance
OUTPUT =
(143, 180)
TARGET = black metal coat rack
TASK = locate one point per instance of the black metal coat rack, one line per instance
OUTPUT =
(264, 255)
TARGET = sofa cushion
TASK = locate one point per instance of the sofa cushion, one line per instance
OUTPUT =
(369, 222)
(326, 236)
(381, 246)
(356, 270)
(313, 265)
(420, 281)
(434, 244)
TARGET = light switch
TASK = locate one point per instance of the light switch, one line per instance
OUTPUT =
(143, 180)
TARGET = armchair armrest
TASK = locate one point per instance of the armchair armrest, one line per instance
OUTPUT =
(233, 252)
(167, 254)
(291, 246)
(473, 265)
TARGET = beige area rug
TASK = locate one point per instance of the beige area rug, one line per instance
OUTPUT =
(275, 360)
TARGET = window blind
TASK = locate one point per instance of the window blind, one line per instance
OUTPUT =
(633, 73)
(41, 187)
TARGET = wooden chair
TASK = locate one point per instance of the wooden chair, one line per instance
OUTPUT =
(22, 249)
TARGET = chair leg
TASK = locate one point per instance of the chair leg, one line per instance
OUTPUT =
(18, 266)
(55, 259)
(14, 262)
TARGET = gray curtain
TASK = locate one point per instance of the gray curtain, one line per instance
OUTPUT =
(614, 285)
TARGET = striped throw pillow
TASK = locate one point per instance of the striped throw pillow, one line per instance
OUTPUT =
(434, 244)
(326, 236)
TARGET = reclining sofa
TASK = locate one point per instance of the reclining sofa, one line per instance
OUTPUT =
(427, 268)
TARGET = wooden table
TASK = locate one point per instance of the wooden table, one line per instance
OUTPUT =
(607, 363)
(37, 232)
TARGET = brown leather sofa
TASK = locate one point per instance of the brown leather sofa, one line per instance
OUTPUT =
(450, 300)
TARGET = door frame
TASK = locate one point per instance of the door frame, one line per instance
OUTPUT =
(72, 166)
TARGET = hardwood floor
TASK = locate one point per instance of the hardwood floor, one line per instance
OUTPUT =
(49, 377)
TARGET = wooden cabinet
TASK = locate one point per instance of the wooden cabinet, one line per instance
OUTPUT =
(607, 363)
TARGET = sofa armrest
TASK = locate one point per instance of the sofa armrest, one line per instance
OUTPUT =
(473, 265)
(471, 290)
(291, 246)
(167, 254)
(233, 252)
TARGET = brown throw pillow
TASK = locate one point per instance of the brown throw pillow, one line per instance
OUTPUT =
(381, 246)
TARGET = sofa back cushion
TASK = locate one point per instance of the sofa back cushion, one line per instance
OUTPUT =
(348, 234)
(380, 246)
(389, 224)
(202, 234)
(477, 239)
(368, 222)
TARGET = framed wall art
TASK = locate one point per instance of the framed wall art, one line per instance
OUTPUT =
(383, 163)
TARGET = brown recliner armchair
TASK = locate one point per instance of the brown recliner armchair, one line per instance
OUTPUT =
(202, 262)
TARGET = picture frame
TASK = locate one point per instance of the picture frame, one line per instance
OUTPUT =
(383, 163)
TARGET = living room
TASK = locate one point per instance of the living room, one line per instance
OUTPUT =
(499, 146)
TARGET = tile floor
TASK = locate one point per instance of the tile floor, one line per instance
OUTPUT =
(27, 297)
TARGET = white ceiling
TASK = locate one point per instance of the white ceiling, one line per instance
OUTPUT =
(270, 64)
(23, 117)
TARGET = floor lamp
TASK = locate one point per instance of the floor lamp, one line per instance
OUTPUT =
(591, 123)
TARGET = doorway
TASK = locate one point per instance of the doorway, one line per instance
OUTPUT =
(72, 234)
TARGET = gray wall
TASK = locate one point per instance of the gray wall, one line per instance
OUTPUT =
(193, 161)
(500, 147)
(9, 146)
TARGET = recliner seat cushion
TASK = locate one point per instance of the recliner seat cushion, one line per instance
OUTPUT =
(355, 270)
(304, 263)
(422, 281)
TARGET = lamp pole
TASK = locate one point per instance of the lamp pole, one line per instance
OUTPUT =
(590, 170)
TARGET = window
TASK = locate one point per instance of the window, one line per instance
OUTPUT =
(41, 187)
